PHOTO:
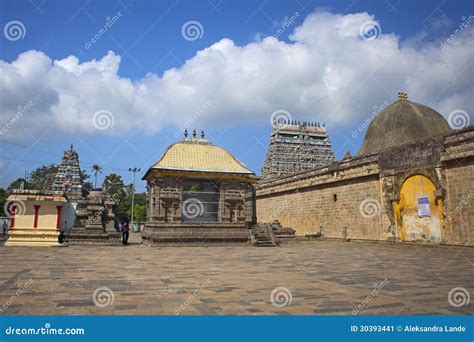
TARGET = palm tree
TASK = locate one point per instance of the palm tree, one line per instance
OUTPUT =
(96, 169)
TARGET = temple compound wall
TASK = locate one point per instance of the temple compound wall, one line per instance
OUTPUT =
(459, 168)
(418, 192)
(327, 200)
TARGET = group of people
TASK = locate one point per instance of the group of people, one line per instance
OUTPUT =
(125, 230)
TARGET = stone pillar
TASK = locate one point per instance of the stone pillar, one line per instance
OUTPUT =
(35, 224)
(58, 220)
(153, 203)
(222, 216)
(13, 211)
(179, 186)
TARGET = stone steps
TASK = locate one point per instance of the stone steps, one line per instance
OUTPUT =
(195, 234)
(262, 237)
(78, 236)
(22, 236)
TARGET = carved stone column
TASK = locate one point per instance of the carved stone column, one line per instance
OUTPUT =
(389, 197)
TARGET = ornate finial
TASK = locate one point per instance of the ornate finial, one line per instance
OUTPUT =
(185, 133)
(202, 134)
(402, 96)
(194, 134)
(71, 147)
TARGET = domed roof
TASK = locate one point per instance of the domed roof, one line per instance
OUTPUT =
(400, 123)
(199, 155)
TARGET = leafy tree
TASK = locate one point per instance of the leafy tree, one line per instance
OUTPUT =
(96, 169)
(140, 206)
(3, 198)
(16, 184)
(140, 198)
(86, 185)
(42, 177)
(83, 176)
(123, 209)
(140, 213)
(113, 185)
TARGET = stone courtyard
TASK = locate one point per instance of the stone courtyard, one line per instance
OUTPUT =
(306, 278)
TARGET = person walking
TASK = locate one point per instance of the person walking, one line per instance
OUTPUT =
(125, 233)
(5, 226)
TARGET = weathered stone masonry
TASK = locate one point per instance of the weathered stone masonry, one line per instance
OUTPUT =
(326, 198)
(359, 198)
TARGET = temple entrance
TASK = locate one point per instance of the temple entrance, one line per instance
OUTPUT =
(200, 201)
(419, 213)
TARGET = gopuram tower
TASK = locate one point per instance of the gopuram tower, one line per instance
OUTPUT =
(68, 177)
(296, 146)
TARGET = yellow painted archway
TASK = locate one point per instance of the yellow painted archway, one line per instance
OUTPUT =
(419, 214)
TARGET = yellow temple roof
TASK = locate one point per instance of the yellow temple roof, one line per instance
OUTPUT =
(201, 156)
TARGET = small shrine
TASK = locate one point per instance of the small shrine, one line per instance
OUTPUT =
(199, 192)
(37, 217)
(95, 220)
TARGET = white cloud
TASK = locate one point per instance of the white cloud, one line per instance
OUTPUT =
(325, 72)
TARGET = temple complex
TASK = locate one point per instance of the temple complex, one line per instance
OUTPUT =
(412, 180)
(68, 176)
(296, 146)
(37, 217)
(198, 192)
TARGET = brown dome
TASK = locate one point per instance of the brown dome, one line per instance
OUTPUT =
(400, 123)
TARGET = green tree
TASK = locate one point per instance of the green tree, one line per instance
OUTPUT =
(140, 213)
(140, 206)
(86, 185)
(83, 176)
(42, 177)
(16, 184)
(123, 209)
(113, 185)
(96, 169)
(3, 198)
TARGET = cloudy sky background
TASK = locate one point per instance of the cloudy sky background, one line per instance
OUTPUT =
(123, 99)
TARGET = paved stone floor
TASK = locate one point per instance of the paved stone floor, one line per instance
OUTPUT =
(323, 278)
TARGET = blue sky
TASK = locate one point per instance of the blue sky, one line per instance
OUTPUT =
(149, 40)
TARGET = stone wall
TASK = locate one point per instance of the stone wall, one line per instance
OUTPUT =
(459, 165)
(344, 199)
(354, 198)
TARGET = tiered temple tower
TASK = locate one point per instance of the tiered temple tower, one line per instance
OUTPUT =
(296, 146)
(68, 177)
